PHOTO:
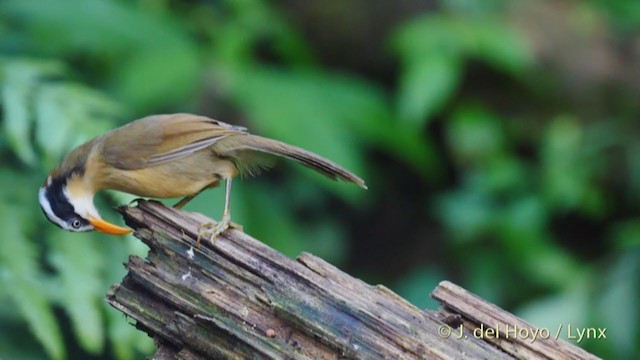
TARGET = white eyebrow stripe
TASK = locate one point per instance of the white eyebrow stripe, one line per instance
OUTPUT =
(46, 206)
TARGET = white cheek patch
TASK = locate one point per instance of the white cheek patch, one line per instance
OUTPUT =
(82, 206)
(46, 206)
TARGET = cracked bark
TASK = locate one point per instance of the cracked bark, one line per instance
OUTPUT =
(241, 299)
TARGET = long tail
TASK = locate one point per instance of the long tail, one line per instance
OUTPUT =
(326, 167)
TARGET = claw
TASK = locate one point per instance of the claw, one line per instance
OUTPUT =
(212, 230)
(236, 226)
(202, 229)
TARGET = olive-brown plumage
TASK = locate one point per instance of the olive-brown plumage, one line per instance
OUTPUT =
(165, 156)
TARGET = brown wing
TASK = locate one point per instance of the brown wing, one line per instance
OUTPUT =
(158, 139)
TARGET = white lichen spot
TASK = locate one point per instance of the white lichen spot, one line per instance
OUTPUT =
(244, 311)
(190, 253)
(356, 347)
(186, 276)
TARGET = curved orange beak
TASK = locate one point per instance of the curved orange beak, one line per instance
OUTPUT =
(108, 228)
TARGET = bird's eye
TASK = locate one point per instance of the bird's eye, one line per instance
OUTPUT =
(76, 224)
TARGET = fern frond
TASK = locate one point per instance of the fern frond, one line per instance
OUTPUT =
(23, 277)
(79, 265)
(126, 339)
(19, 79)
(62, 114)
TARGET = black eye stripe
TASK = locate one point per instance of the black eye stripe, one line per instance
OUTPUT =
(59, 203)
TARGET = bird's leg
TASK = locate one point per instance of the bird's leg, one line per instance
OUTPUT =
(227, 208)
(185, 200)
(212, 230)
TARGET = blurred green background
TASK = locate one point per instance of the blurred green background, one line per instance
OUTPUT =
(499, 140)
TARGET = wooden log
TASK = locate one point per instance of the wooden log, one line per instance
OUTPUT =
(241, 299)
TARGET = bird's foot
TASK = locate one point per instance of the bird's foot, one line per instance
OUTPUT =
(212, 230)
(236, 226)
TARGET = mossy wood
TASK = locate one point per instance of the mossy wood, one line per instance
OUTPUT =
(241, 299)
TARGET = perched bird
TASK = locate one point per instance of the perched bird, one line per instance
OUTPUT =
(164, 156)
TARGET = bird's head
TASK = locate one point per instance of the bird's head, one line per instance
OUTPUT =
(66, 205)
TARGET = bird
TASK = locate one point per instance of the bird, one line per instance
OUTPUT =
(165, 156)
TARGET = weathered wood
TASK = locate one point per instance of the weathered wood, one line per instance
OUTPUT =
(512, 335)
(241, 299)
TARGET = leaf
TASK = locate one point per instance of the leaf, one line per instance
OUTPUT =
(53, 129)
(416, 285)
(626, 234)
(475, 135)
(498, 44)
(467, 213)
(433, 49)
(65, 114)
(15, 345)
(368, 115)
(333, 115)
(256, 23)
(21, 273)
(624, 14)
(157, 62)
(69, 114)
(567, 307)
(617, 304)
(264, 213)
(521, 228)
(296, 108)
(159, 77)
(17, 124)
(428, 35)
(472, 7)
(568, 169)
(97, 27)
(425, 86)
(125, 339)
(502, 174)
(78, 265)
(19, 79)
(326, 239)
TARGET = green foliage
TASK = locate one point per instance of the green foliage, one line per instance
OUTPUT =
(529, 182)
(417, 283)
(18, 80)
(620, 288)
(46, 118)
(78, 265)
(154, 63)
(434, 48)
(623, 13)
(21, 275)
